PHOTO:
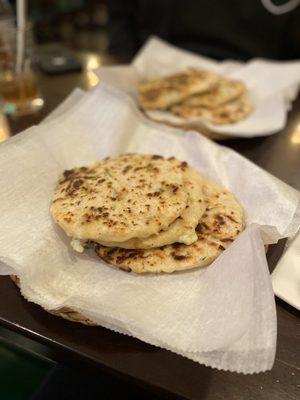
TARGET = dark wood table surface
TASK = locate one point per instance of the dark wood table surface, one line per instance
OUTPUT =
(159, 371)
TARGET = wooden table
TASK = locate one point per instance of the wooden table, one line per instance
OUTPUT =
(158, 370)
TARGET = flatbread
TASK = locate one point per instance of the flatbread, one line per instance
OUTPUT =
(182, 230)
(227, 90)
(163, 93)
(222, 222)
(228, 113)
(117, 199)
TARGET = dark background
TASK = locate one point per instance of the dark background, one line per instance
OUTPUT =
(239, 29)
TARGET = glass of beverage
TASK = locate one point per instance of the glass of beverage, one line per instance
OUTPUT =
(18, 84)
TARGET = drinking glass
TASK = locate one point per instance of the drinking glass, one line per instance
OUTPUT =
(18, 83)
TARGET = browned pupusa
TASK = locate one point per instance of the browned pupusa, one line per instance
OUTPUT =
(221, 223)
(120, 198)
(227, 90)
(164, 92)
(228, 113)
(183, 228)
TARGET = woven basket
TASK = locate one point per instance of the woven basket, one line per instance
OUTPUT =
(64, 312)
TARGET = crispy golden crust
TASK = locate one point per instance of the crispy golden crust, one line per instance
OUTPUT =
(118, 199)
(182, 230)
(227, 90)
(164, 92)
(222, 222)
(228, 113)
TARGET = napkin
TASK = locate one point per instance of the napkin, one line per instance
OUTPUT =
(272, 85)
(286, 275)
(221, 316)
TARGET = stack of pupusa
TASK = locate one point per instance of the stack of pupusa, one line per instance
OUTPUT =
(145, 213)
(197, 95)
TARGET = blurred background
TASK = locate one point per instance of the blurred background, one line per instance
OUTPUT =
(79, 24)
(235, 29)
(231, 29)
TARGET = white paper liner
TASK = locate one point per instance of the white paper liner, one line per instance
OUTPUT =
(286, 275)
